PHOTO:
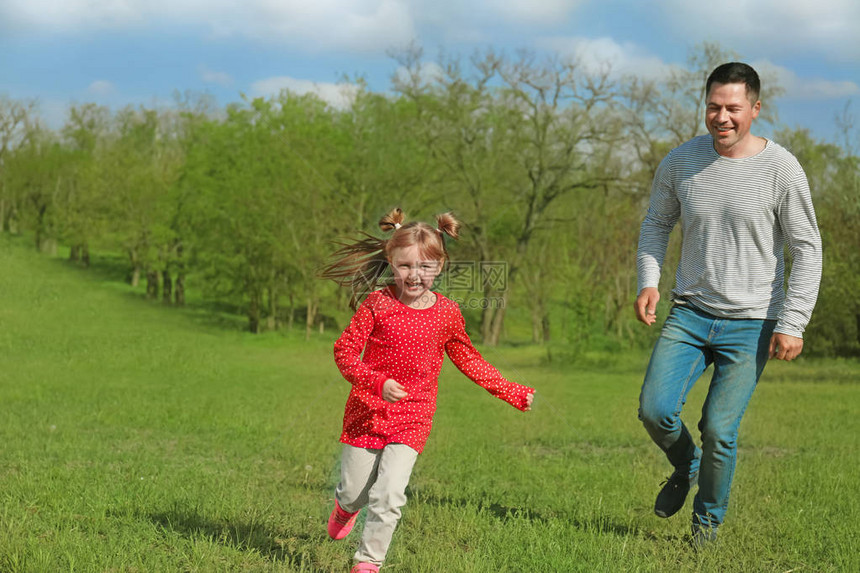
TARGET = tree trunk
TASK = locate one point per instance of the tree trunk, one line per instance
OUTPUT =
(272, 309)
(166, 287)
(496, 294)
(179, 287)
(151, 285)
(540, 326)
(311, 317)
(498, 304)
(75, 253)
(488, 311)
(254, 313)
(498, 321)
(536, 327)
(134, 279)
(179, 290)
(40, 229)
(12, 220)
(85, 255)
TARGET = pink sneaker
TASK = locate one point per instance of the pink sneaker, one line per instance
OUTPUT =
(340, 522)
(364, 567)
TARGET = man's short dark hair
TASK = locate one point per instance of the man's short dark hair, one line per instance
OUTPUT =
(736, 73)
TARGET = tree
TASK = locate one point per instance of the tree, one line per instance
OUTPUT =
(83, 200)
(662, 113)
(514, 139)
(383, 164)
(834, 179)
(37, 177)
(259, 186)
(138, 170)
(186, 130)
(313, 142)
(15, 123)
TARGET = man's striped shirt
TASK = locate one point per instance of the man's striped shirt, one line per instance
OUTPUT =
(736, 217)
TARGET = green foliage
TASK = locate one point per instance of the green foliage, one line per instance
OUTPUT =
(37, 178)
(547, 163)
(834, 178)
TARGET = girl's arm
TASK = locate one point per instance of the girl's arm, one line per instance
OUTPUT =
(472, 364)
(348, 349)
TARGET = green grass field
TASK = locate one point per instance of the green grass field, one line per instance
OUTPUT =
(135, 437)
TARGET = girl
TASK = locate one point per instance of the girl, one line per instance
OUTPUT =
(403, 329)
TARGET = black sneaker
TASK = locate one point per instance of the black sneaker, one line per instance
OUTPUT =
(703, 536)
(675, 489)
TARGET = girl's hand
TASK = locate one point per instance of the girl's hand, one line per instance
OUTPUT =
(529, 398)
(392, 391)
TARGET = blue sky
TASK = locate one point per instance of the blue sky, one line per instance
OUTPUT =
(120, 52)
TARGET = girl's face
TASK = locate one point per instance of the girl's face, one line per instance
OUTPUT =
(413, 275)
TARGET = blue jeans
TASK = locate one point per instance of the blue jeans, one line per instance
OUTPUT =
(690, 341)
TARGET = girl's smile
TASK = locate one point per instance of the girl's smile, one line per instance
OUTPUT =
(413, 276)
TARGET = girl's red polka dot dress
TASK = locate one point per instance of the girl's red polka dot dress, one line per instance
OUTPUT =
(407, 345)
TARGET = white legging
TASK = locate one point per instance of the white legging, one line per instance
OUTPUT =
(376, 478)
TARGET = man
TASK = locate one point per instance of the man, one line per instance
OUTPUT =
(740, 199)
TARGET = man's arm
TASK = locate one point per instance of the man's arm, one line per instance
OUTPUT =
(797, 219)
(663, 212)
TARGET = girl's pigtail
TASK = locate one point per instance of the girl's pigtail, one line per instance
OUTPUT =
(359, 266)
(392, 220)
(446, 223)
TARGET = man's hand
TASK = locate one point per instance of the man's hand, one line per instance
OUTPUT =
(785, 347)
(646, 305)
(392, 391)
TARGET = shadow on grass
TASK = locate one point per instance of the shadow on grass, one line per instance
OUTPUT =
(507, 513)
(207, 311)
(241, 536)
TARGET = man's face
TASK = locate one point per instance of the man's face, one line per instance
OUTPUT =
(728, 117)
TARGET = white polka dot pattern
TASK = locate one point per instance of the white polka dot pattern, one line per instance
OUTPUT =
(407, 345)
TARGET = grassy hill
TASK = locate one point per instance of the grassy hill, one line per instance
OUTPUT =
(136, 437)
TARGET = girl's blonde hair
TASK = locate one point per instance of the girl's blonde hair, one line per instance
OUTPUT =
(362, 265)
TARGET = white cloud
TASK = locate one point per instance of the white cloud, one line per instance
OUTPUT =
(600, 54)
(774, 27)
(806, 89)
(101, 88)
(364, 25)
(212, 77)
(66, 15)
(605, 54)
(340, 96)
(538, 12)
(754, 27)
